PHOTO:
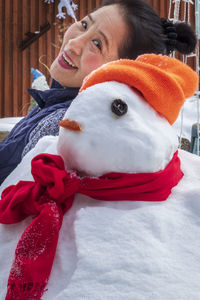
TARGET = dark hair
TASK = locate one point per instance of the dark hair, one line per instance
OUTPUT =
(148, 33)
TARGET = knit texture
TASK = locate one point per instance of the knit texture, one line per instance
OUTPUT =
(47, 126)
(164, 82)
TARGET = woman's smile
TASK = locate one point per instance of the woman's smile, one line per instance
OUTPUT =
(65, 61)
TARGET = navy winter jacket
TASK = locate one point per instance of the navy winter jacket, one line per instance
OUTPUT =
(48, 101)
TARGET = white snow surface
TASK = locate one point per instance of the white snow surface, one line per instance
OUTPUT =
(133, 250)
(124, 250)
(7, 124)
(187, 117)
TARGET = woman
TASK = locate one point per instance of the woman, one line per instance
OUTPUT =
(118, 29)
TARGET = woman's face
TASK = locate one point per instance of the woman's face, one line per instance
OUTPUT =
(88, 44)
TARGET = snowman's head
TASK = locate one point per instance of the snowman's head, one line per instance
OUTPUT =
(111, 127)
(119, 132)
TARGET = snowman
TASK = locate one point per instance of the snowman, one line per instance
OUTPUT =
(116, 212)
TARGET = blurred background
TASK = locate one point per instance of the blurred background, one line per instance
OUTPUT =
(30, 37)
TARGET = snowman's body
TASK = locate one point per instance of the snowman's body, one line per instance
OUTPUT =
(118, 250)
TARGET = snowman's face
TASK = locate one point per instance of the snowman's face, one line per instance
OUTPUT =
(134, 140)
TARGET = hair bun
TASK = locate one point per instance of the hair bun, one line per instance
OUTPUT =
(171, 34)
(179, 36)
(186, 38)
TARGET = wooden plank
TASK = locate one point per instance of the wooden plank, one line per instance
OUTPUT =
(2, 23)
(34, 27)
(49, 41)
(83, 8)
(156, 6)
(53, 37)
(19, 63)
(90, 6)
(166, 7)
(98, 3)
(41, 40)
(58, 37)
(163, 13)
(25, 59)
(15, 60)
(8, 60)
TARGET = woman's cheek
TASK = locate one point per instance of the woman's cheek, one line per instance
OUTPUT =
(70, 32)
(93, 61)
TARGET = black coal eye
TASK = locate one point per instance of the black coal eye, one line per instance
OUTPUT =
(119, 107)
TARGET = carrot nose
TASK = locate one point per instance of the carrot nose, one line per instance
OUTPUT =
(71, 125)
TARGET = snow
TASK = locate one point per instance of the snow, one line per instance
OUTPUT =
(118, 250)
(6, 124)
(129, 250)
(188, 116)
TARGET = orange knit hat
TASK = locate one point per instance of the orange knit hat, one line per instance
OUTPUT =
(165, 82)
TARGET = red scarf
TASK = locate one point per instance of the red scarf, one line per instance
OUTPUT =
(49, 197)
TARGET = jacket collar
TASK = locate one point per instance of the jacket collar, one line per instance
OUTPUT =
(56, 94)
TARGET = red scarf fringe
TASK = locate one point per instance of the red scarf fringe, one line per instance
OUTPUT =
(25, 291)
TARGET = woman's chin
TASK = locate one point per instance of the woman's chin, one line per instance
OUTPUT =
(64, 78)
(55, 72)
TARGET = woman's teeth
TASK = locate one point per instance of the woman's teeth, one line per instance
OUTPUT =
(68, 62)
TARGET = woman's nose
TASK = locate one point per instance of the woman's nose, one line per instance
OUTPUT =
(77, 44)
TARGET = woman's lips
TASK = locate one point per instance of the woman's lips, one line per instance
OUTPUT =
(65, 62)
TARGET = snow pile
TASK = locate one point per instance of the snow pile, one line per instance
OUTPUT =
(129, 250)
(7, 124)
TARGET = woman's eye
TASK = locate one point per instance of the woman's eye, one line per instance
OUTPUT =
(84, 24)
(98, 44)
(119, 107)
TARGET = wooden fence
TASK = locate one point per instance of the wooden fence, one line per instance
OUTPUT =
(17, 18)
